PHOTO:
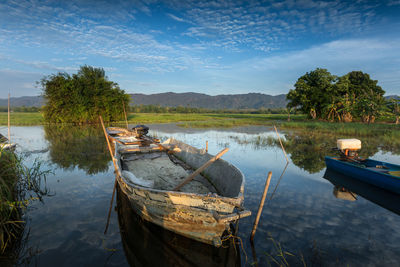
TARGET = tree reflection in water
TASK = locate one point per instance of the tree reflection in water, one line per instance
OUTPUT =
(78, 146)
(307, 150)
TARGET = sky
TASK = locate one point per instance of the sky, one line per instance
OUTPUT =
(211, 47)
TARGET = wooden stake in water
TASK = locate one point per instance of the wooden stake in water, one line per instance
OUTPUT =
(9, 134)
(126, 118)
(280, 141)
(207, 146)
(253, 232)
(116, 170)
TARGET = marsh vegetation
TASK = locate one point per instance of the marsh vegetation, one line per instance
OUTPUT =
(19, 185)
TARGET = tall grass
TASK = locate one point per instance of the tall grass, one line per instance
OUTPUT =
(18, 185)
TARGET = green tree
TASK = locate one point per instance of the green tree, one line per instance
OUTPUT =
(366, 96)
(323, 95)
(82, 97)
(312, 92)
(394, 107)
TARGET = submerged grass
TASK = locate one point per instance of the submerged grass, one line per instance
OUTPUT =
(18, 185)
(278, 256)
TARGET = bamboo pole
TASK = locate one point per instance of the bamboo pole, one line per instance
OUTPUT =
(202, 168)
(253, 232)
(126, 118)
(116, 170)
(280, 141)
(9, 133)
(279, 180)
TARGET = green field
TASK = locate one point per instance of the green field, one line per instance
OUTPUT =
(206, 120)
(183, 119)
(22, 118)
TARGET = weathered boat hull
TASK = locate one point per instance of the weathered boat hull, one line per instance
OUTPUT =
(367, 172)
(198, 216)
(147, 244)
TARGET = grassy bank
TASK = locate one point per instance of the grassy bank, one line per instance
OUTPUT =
(18, 184)
(197, 120)
(22, 118)
(207, 120)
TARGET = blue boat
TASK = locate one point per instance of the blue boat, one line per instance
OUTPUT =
(378, 173)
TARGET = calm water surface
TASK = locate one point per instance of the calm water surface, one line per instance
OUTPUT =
(302, 217)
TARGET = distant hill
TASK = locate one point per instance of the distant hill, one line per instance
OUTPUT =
(392, 97)
(196, 100)
(27, 101)
(240, 101)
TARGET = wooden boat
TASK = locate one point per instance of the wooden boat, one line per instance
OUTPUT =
(378, 173)
(148, 173)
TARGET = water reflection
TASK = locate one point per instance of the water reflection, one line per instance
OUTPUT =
(78, 146)
(146, 244)
(354, 187)
(303, 215)
(307, 150)
(87, 149)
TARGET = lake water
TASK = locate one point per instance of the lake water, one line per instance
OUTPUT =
(302, 217)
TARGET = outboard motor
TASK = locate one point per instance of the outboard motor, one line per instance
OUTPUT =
(348, 148)
(141, 130)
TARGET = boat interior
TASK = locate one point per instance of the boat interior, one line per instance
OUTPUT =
(167, 169)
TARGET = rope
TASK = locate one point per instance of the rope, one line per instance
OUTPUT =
(234, 237)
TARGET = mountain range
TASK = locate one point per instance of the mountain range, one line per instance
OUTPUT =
(240, 101)
(196, 100)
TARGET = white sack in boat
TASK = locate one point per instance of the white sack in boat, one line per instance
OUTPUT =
(133, 179)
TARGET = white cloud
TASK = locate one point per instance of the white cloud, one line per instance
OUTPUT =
(237, 24)
(379, 58)
(175, 17)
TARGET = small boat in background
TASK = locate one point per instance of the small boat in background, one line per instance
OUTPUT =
(5, 144)
(149, 173)
(378, 173)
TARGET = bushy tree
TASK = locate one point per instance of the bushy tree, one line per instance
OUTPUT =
(326, 96)
(82, 97)
(312, 91)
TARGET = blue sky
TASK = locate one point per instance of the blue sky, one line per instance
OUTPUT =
(212, 47)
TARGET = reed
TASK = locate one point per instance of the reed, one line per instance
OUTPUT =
(280, 257)
(19, 185)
